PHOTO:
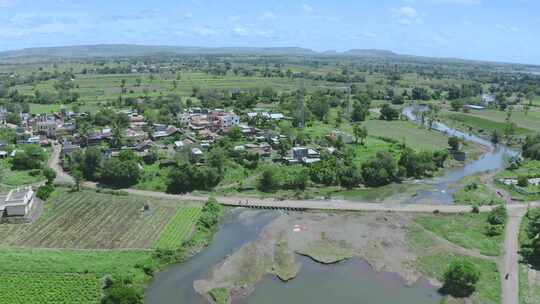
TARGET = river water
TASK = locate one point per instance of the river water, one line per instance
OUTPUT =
(348, 282)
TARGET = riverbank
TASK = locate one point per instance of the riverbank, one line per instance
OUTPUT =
(383, 240)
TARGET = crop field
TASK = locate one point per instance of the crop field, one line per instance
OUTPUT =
(89, 220)
(179, 228)
(408, 132)
(530, 121)
(483, 125)
(30, 288)
(62, 276)
(107, 87)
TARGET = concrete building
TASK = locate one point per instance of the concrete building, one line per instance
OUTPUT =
(17, 202)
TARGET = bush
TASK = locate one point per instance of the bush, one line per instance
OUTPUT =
(121, 291)
(460, 278)
(119, 173)
(494, 230)
(522, 181)
(497, 216)
(44, 192)
(381, 170)
(31, 157)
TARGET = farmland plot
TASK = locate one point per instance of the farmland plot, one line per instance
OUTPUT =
(179, 228)
(30, 288)
(89, 220)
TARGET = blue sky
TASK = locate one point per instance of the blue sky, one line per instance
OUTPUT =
(498, 30)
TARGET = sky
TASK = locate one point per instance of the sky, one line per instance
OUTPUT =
(495, 30)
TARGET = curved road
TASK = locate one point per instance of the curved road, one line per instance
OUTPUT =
(508, 265)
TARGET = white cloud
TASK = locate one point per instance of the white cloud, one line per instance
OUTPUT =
(204, 31)
(507, 28)
(307, 8)
(268, 16)
(466, 2)
(407, 15)
(8, 3)
(407, 12)
(367, 34)
(240, 31)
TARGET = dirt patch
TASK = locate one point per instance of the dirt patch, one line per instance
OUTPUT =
(378, 238)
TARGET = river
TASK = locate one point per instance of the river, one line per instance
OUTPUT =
(349, 282)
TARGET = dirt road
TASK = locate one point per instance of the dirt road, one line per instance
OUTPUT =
(510, 263)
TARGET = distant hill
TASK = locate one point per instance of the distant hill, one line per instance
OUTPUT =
(370, 53)
(112, 50)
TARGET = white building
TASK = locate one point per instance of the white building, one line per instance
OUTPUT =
(17, 202)
(229, 120)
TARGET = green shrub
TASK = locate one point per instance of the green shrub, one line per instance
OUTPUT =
(44, 192)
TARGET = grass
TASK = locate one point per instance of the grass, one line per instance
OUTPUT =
(483, 125)
(488, 288)
(408, 132)
(179, 228)
(14, 178)
(89, 220)
(473, 191)
(220, 295)
(466, 230)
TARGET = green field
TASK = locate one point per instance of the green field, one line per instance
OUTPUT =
(107, 235)
(483, 125)
(530, 121)
(467, 231)
(179, 228)
(462, 230)
(49, 288)
(88, 220)
(409, 133)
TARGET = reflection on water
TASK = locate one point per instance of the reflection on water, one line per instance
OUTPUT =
(352, 281)
(175, 284)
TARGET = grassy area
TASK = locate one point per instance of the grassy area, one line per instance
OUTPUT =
(179, 228)
(488, 288)
(409, 133)
(220, 295)
(531, 121)
(466, 230)
(434, 257)
(14, 178)
(473, 191)
(89, 220)
(483, 125)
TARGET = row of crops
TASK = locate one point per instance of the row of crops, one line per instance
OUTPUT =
(89, 220)
(39, 288)
(179, 228)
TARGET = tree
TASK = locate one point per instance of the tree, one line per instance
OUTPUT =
(454, 143)
(319, 107)
(78, 177)
(380, 170)
(522, 181)
(117, 135)
(456, 105)
(495, 137)
(119, 173)
(31, 157)
(91, 163)
(388, 113)
(460, 278)
(360, 133)
(50, 175)
(497, 216)
(268, 181)
(284, 147)
(360, 111)
(123, 88)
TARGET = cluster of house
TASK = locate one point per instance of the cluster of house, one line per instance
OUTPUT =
(17, 202)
